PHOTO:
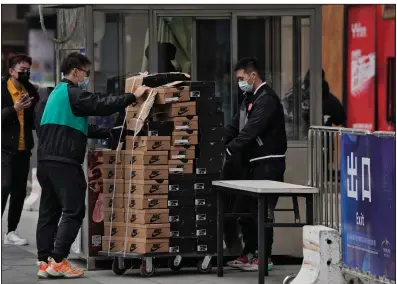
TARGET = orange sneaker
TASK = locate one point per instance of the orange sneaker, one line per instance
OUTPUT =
(63, 269)
(42, 273)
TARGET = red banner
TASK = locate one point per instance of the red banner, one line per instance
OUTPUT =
(361, 66)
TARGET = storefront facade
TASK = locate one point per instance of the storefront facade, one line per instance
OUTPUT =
(206, 41)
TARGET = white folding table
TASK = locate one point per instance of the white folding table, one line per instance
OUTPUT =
(260, 189)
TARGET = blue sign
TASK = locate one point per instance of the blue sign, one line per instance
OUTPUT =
(368, 192)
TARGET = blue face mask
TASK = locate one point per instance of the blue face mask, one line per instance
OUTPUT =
(245, 86)
(84, 84)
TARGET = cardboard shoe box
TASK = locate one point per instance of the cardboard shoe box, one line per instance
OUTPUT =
(182, 183)
(214, 119)
(208, 104)
(206, 244)
(111, 157)
(149, 143)
(205, 166)
(212, 134)
(147, 216)
(142, 246)
(116, 201)
(184, 137)
(181, 166)
(113, 185)
(203, 184)
(145, 201)
(181, 109)
(135, 245)
(115, 215)
(182, 221)
(110, 171)
(114, 229)
(148, 231)
(172, 93)
(153, 172)
(153, 80)
(176, 199)
(182, 245)
(145, 158)
(205, 200)
(210, 149)
(189, 122)
(200, 89)
(147, 187)
(182, 152)
(160, 128)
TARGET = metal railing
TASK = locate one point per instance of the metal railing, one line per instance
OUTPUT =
(324, 172)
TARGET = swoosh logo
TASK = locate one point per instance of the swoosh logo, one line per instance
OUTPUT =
(134, 232)
(114, 231)
(132, 247)
(133, 174)
(155, 247)
(154, 218)
(154, 188)
(177, 95)
(154, 159)
(133, 188)
(157, 145)
(111, 188)
(133, 218)
(110, 174)
(182, 110)
(110, 202)
(112, 245)
(154, 174)
(156, 233)
(112, 159)
(186, 123)
(112, 217)
(153, 202)
(132, 203)
(133, 160)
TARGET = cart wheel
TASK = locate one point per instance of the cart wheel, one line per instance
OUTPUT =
(172, 266)
(116, 269)
(144, 273)
(200, 267)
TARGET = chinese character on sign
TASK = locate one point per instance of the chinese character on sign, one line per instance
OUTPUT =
(352, 182)
(352, 173)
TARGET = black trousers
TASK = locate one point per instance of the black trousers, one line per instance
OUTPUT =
(63, 190)
(14, 177)
(261, 170)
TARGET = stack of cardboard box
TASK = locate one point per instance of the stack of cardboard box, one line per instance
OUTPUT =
(167, 203)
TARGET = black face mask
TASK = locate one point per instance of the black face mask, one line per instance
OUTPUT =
(23, 77)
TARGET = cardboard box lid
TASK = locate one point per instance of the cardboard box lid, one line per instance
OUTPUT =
(156, 167)
(144, 197)
(148, 211)
(135, 153)
(184, 104)
(180, 162)
(148, 241)
(112, 181)
(114, 210)
(184, 132)
(156, 153)
(183, 147)
(134, 168)
(184, 118)
(112, 166)
(149, 138)
(115, 239)
(149, 226)
(147, 182)
(110, 195)
(114, 224)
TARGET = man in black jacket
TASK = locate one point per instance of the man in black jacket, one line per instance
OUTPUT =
(18, 98)
(62, 145)
(258, 134)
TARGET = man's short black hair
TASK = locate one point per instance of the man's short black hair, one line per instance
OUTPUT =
(72, 61)
(15, 58)
(248, 64)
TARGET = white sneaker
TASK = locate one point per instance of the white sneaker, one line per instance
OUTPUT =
(12, 238)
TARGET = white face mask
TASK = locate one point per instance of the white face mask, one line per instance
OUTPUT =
(85, 82)
(245, 86)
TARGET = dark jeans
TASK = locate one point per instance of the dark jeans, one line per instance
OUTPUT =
(63, 190)
(262, 170)
(14, 177)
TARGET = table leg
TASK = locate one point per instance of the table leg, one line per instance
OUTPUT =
(309, 209)
(261, 240)
(220, 234)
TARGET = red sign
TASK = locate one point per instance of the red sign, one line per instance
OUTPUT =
(361, 66)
